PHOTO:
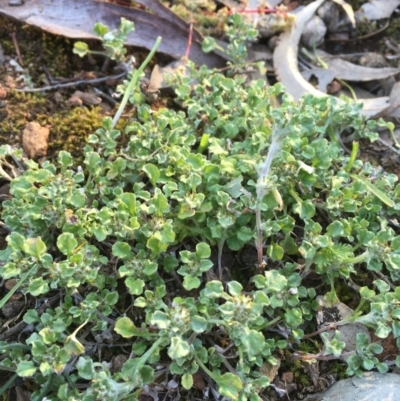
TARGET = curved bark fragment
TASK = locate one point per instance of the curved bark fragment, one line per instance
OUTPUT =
(287, 72)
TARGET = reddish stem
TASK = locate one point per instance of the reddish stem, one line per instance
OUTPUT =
(189, 44)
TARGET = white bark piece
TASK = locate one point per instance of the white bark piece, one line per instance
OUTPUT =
(377, 9)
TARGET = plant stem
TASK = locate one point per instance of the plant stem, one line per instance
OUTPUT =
(143, 359)
(22, 278)
(204, 367)
(353, 156)
(262, 190)
(133, 82)
(358, 259)
(7, 384)
(15, 346)
(269, 323)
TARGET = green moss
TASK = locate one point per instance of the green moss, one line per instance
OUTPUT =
(203, 14)
(338, 369)
(40, 49)
(69, 127)
(20, 109)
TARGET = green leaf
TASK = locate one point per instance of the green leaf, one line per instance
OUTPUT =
(76, 199)
(65, 158)
(111, 298)
(86, 368)
(274, 281)
(100, 29)
(156, 245)
(367, 293)
(382, 367)
(335, 229)
(203, 250)
(73, 346)
(160, 202)
(81, 49)
(152, 172)
(126, 26)
(187, 381)
(66, 243)
(16, 241)
(368, 364)
(209, 44)
(235, 288)
(198, 324)
(128, 201)
(149, 267)
(229, 385)
(253, 341)
(126, 328)
(160, 319)
(147, 374)
(31, 316)
(93, 161)
(293, 317)
(178, 348)
(122, 250)
(396, 328)
(214, 289)
(203, 143)
(398, 361)
(34, 247)
(26, 369)
(190, 283)
(38, 286)
(382, 331)
(135, 286)
(275, 252)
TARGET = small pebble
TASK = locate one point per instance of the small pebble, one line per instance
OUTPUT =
(35, 140)
(3, 93)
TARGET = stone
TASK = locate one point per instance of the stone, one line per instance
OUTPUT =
(35, 140)
(373, 386)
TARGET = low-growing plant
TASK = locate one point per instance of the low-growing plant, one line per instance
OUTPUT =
(132, 244)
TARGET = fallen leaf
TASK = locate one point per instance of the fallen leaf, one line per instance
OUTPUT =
(198, 381)
(269, 370)
(393, 108)
(76, 18)
(348, 10)
(352, 72)
(324, 76)
(377, 9)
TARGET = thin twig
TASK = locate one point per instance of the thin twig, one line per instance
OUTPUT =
(330, 326)
(15, 42)
(366, 36)
(72, 84)
(393, 149)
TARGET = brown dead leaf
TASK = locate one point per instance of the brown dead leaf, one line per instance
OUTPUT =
(76, 18)
(352, 72)
(269, 370)
(287, 377)
(198, 381)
